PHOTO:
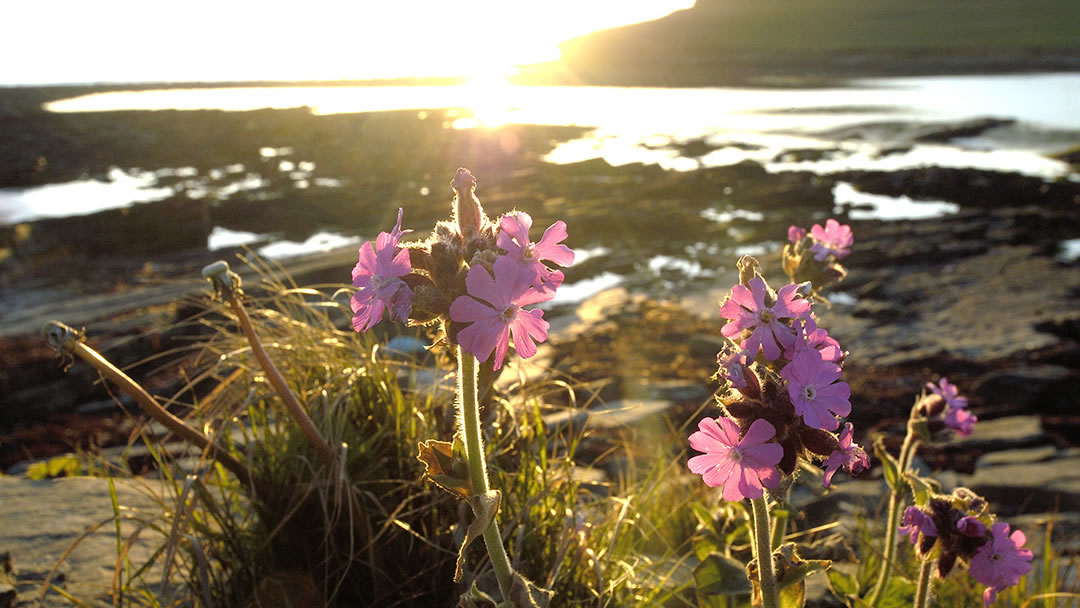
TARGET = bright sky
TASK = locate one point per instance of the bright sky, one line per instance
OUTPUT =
(78, 41)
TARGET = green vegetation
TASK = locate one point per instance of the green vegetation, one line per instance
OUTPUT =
(373, 532)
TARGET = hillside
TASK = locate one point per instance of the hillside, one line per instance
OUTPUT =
(735, 41)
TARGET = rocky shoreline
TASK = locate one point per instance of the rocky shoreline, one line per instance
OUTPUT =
(986, 295)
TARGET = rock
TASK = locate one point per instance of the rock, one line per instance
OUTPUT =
(1021, 456)
(622, 413)
(39, 538)
(1001, 434)
(1049, 485)
(667, 390)
(1041, 389)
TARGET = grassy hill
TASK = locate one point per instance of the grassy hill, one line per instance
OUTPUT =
(720, 41)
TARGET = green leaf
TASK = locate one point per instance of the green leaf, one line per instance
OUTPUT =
(793, 596)
(484, 507)
(841, 584)
(526, 594)
(922, 488)
(708, 544)
(921, 428)
(445, 466)
(889, 465)
(721, 575)
(899, 593)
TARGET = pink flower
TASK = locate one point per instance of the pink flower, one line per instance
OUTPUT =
(514, 238)
(378, 274)
(795, 234)
(949, 393)
(493, 306)
(971, 526)
(747, 311)
(809, 335)
(916, 522)
(848, 454)
(814, 390)
(834, 238)
(1000, 562)
(743, 466)
(960, 420)
(733, 366)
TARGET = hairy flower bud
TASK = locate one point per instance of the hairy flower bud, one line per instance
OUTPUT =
(468, 214)
(749, 268)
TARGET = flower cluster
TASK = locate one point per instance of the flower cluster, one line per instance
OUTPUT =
(472, 275)
(815, 256)
(782, 386)
(944, 407)
(957, 529)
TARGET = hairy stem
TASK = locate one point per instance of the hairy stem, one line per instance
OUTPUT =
(922, 592)
(157, 412)
(292, 404)
(474, 451)
(892, 521)
(763, 552)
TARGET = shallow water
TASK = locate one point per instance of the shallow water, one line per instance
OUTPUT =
(869, 125)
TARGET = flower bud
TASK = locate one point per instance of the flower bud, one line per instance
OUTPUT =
(468, 214)
(749, 268)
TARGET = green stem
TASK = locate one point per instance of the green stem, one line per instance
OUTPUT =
(892, 521)
(922, 592)
(763, 552)
(779, 529)
(474, 451)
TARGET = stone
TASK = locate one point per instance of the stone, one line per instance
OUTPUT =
(1021, 456)
(1043, 486)
(615, 414)
(38, 538)
(1002, 433)
(7, 596)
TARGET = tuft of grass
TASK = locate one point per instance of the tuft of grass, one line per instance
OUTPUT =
(370, 531)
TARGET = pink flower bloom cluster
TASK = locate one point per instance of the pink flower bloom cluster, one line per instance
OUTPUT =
(377, 275)
(422, 282)
(742, 467)
(917, 522)
(834, 239)
(493, 305)
(957, 417)
(815, 390)
(1000, 562)
(748, 312)
(783, 371)
(848, 454)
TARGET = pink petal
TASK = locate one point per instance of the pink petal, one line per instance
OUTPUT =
(366, 263)
(480, 337)
(757, 290)
(703, 462)
(502, 344)
(742, 296)
(480, 285)
(759, 432)
(399, 267)
(465, 309)
(719, 475)
(549, 249)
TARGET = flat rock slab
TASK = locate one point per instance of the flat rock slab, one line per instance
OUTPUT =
(41, 520)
